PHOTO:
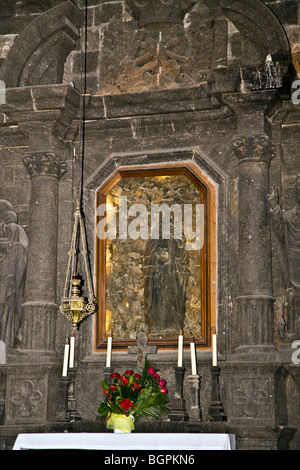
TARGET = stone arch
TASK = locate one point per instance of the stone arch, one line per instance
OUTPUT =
(260, 28)
(38, 54)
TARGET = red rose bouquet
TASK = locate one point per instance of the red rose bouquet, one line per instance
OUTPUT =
(135, 395)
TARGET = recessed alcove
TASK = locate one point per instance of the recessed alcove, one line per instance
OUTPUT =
(123, 273)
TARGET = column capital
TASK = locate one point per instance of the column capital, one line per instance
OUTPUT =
(256, 148)
(44, 164)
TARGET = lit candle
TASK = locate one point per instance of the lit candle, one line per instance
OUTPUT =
(66, 358)
(180, 349)
(108, 355)
(214, 348)
(72, 351)
(193, 358)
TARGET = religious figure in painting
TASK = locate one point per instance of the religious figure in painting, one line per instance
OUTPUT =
(165, 270)
(286, 227)
(13, 251)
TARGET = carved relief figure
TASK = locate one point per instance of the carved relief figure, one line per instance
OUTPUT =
(13, 250)
(165, 269)
(157, 52)
(159, 61)
(286, 227)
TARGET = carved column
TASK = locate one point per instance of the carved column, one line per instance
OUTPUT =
(39, 308)
(255, 300)
(44, 114)
(255, 152)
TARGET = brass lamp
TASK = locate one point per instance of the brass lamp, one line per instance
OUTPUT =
(74, 306)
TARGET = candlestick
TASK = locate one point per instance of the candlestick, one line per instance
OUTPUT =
(180, 349)
(214, 349)
(107, 375)
(72, 402)
(62, 413)
(66, 358)
(215, 410)
(72, 351)
(193, 358)
(109, 347)
(195, 415)
(177, 404)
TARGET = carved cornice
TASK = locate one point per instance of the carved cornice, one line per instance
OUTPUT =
(159, 11)
(48, 111)
(254, 148)
(45, 164)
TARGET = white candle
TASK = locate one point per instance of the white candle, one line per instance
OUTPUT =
(108, 355)
(214, 349)
(72, 351)
(180, 349)
(66, 358)
(193, 358)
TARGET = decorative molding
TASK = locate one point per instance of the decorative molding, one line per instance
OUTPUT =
(26, 399)
(250, 397)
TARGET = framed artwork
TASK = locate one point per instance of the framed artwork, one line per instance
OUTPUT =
(156, 256)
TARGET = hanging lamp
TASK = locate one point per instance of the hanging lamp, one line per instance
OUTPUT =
(74, 306)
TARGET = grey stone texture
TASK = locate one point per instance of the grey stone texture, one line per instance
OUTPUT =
(122, 91)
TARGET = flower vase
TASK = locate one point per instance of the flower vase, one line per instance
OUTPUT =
(121, 424)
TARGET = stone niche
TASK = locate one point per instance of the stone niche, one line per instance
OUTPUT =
(153, 257)
(163, 92)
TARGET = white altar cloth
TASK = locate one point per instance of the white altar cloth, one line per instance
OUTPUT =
(133, 441)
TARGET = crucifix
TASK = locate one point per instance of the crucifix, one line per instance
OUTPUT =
(142, 348)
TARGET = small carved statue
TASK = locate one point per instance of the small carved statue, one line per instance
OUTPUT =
(13, 251)
(286, 227)
(165, 268)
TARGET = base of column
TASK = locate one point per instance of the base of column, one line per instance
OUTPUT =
(28, 356)
(257, 352)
